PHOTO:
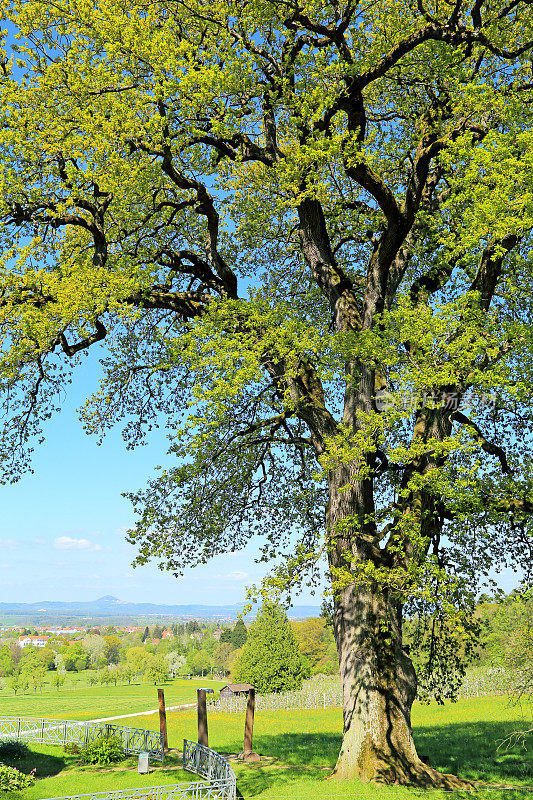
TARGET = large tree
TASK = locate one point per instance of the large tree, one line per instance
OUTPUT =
(270, 658)
(299, 231)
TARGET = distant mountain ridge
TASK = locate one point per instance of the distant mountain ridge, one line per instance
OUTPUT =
(111, 607)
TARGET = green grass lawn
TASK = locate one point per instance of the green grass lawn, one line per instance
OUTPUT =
(60, 774)
(85, 702)
(300, 748)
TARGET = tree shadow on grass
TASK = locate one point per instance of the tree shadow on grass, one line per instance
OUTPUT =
(45, 764)
(471, 750)
(301, 749)
(478, 751)
(490, 794)
(257, 778)
(291, 757)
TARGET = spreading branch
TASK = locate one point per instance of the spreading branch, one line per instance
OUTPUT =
(489, 447)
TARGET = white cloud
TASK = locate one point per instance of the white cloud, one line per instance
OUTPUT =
(67, 543)
(236, 575)
(8, 544)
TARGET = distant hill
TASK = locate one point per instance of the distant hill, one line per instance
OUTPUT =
(111, 608)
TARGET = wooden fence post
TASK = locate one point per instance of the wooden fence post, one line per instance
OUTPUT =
(163, 718)
(247, 752)
(203, 734)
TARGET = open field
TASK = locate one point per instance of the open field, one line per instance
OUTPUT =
(300, 748)
(458, 737)
(84, 702)
(88, 702)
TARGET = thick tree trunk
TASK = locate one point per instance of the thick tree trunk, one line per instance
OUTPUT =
(378, 677)
(379, 687)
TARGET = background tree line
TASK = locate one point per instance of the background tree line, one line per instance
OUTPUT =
(273, 654)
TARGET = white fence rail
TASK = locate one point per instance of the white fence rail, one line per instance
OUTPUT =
(220, 781)
(177, 791)
(64, 731)
(212, 766)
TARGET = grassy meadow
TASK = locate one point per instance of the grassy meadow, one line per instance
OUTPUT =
(80, 701)
(299, 749)
(63, 775)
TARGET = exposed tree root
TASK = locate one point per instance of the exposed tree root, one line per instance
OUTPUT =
(417, 774)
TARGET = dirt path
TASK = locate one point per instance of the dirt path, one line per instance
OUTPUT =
(183, 707)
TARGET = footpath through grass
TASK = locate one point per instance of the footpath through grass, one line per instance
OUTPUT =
(86, 702)
(300, 749)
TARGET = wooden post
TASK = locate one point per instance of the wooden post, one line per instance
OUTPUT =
(203, 735)
(247, 752)
(163, 718)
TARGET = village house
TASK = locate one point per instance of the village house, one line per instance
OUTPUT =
(36, 641)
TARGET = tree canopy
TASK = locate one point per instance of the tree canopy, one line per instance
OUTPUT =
(300, 233)
(239, 634)
(226, 636)
(316, 643)
(270, 659)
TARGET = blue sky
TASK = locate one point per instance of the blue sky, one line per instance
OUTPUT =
(62, 529)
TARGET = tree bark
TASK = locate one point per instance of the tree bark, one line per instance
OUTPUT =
(378, 678)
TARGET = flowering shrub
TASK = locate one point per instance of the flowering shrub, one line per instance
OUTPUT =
(103, 750)
(12, 779)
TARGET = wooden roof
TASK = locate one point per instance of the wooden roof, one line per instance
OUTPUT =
(237, 687)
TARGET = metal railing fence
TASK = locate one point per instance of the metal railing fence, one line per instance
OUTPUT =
(64, 731)
(176, 791)
(212, 766)
(220, 780)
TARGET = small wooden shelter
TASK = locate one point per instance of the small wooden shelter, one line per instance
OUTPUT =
(235, 689)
